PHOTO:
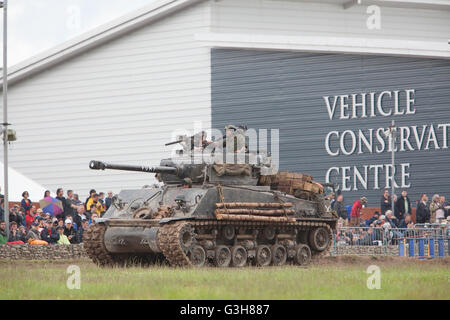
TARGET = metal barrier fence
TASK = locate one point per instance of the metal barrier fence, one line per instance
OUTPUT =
(413, 242)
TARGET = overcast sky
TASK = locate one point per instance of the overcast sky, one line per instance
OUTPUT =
(37, 25)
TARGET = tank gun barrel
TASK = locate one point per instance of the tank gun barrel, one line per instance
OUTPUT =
(99, 165)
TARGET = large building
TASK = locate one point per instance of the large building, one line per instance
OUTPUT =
(331, 75)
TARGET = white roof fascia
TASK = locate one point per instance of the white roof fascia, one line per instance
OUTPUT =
(326, 44)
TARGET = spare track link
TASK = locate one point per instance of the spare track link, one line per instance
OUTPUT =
(169, 237)
(94, 245)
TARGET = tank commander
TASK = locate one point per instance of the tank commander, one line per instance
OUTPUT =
(235, 134)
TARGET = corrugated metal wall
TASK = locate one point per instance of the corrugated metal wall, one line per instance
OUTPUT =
(285, 90)
(119, 102)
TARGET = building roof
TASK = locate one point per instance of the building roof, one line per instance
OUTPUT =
(104, 33)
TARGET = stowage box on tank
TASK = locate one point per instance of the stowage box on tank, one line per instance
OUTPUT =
(207, 213)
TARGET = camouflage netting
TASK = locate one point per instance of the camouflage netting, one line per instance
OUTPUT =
(232, 169)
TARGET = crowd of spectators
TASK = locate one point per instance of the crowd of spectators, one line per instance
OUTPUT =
(32, 225)
(389, 224)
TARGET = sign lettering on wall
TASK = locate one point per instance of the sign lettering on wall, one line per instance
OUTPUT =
(354, 141)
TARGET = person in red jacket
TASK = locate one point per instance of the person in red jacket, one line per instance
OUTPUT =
(29, 218)
(355, 215)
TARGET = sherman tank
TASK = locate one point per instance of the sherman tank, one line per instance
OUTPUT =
(205, 213)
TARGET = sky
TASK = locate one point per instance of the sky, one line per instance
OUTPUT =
(37, 25)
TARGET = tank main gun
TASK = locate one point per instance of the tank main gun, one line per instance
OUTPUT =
(99, 165)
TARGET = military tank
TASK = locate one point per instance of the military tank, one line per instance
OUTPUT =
(205, 213)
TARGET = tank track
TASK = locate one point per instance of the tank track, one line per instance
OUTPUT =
(94, 245)
(170, 234)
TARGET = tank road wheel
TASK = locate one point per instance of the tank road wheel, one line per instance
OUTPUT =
(223, 256)
(228, 232)
(238, 256)
(198, 256)
(319, 239)
(302, 254)
(186, 236)
(279, 255)
(263, 256)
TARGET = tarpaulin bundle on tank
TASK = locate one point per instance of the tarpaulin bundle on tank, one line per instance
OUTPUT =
(292, 182)
(227, 169)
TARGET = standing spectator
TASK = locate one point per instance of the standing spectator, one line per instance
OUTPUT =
(62, 237)
(339, 207)
(49, 234)
(434, 206)
(26, 203)
(76, 200)
(3, 237)
(70, 232)
(101, 199)
(445, 205)
(70, 209)
(355, 215)
(403, 205)
(2, 211)
(47, 193)
(94, 206)
(92, 192)
(108, 200)
(60, 196)
(385, 203)
(80, 216)
(83, 227)
(423, 211)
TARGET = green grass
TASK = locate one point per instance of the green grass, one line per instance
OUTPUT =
(335, 279)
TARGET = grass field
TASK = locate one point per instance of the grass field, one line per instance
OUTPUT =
(332, 278)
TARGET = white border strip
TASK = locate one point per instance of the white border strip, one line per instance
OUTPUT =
(326, 44)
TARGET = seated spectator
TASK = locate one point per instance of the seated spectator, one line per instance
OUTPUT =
(94, 216)
(368, 238)
(62, 237)
(406, 223)
(70, 231)
(391, 219)
(29, 218)
(15, 216)
(49, 233)
(15, 237)
(34, 236)
(40, 215)
(374, 218)
(3, 237)
(75, 226)
(60, 222)
(23, 233)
